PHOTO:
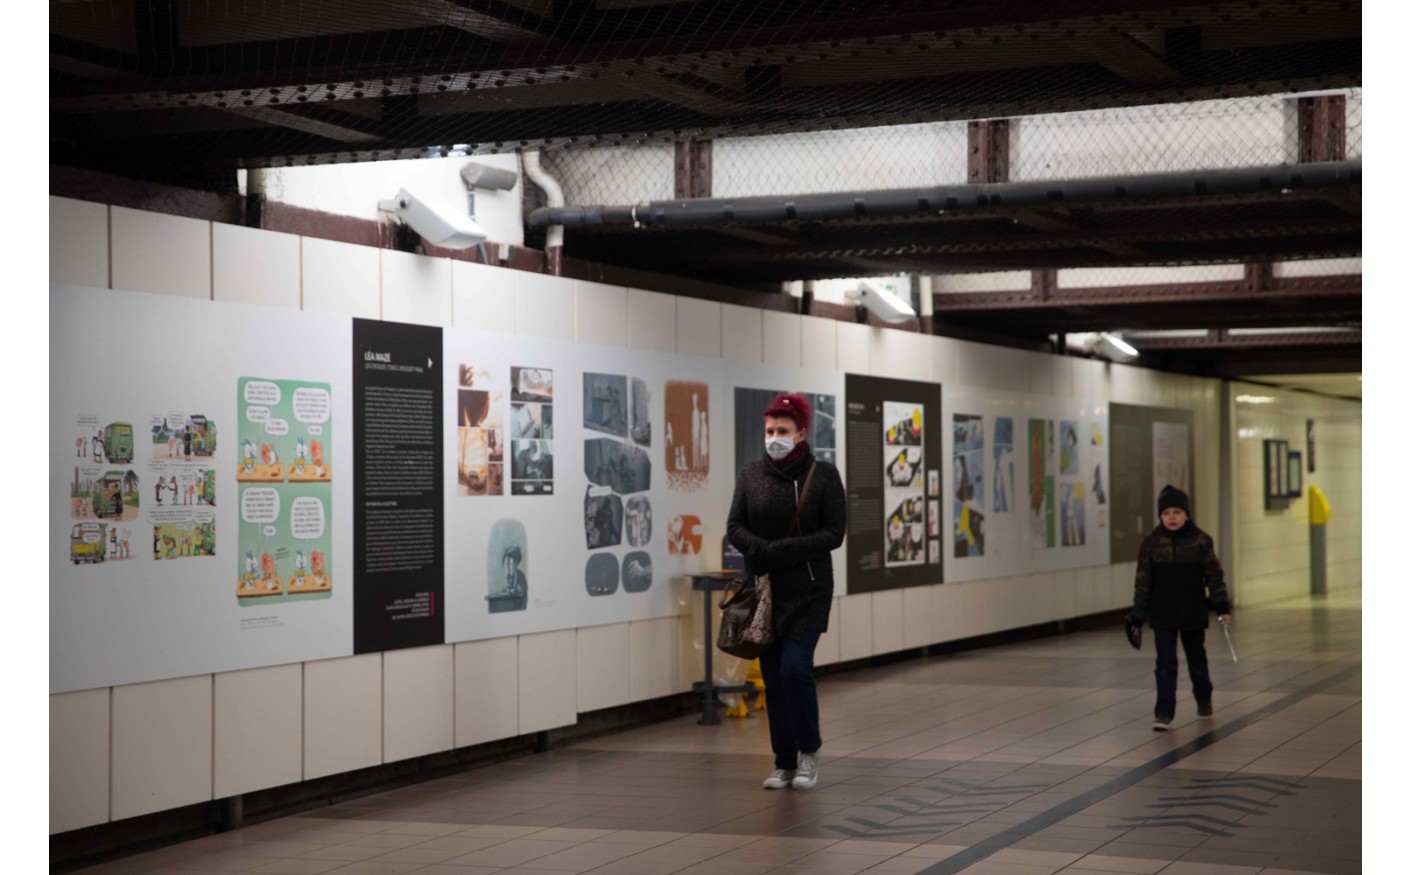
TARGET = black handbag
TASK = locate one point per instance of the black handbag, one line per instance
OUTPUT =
(747, 618)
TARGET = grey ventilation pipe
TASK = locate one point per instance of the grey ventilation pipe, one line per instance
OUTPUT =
(554, 193)
(895, 202)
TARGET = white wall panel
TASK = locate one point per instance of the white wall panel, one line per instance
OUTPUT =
(252, 266)
(78, 242)
(79, 735)
(418, 701)
(486, 690)
(161, 745)
(546, 306)
(903, 355)
(699, 327)
(944, 359)
(605, 659)
(655, 659)
(602, 313)
(819, 338)
(853, 348)
(783, 339)
(166, 255)
(342, 714)
(548, 680)
(918, 617)
(259, 723)
(341, 278)
(743, 333)
(950, 617)
(416, 289)
(485, 298)
(651, 320)
(888, 621)
(856, 626)
(1064, 601)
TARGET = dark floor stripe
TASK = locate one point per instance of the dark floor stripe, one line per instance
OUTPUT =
(1020, 831)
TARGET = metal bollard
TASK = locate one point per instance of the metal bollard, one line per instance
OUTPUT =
(1318, 512)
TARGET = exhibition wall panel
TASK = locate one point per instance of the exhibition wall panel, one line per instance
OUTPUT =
(534, 681)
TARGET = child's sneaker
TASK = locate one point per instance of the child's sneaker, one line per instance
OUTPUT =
(1162, 724)
(1206, 709)
(778, 779)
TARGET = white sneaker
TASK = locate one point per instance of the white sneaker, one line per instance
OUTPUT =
(778, 779)
(807, 774)
(1161, 724)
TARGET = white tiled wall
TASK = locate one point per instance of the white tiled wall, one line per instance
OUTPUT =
(342, 715)
(416, 288)
(604, 663)
(259, 729)
(191, 739)
(602, 313)
(161, 745)
(482, 300)
(341, 278)
(699, 327)
(418, 701)
(79, 732)
(167, 255)
(651, 321)
(1273, 559)
(251, 266)
(743, 333)
(486, 690)
(783, 339)
(78, 242)
(548, 680)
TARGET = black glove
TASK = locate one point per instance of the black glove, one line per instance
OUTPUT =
(1133, 630)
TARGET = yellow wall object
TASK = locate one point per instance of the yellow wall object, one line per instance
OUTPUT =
(1318, 511)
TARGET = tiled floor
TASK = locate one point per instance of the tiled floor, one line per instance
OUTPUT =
(1028, 759)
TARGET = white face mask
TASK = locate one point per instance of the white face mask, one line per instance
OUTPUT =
(778, 447)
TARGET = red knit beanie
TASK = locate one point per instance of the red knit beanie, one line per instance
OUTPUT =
(791, 405)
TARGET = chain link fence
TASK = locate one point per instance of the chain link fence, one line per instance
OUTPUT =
(1164, 138)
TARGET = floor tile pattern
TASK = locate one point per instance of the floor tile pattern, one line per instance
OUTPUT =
(922, 762)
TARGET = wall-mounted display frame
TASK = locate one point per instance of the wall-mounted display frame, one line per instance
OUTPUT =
(1294, 478)
(1276, 478)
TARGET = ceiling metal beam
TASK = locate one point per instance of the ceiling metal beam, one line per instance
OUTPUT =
(1242, 291)
(303, 123)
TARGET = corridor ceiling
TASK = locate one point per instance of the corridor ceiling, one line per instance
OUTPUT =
(186, 91)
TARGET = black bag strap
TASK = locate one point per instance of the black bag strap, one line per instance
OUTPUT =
(802, 497)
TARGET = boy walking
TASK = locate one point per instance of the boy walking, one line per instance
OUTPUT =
(1175, 566)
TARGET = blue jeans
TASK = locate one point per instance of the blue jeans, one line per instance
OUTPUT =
(1167, 668)
(792, 694)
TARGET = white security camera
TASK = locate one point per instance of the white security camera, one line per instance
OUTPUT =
(437, 223)
(1112, 348)
(886, 305)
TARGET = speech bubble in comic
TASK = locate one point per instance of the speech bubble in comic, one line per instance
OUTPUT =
(176, 419)
(88, 419)
(257, 413)
(315, 430)
(269, 531)
(311, 405)
(306, 518)
(276, 427)
(262, 392)
(259, 504)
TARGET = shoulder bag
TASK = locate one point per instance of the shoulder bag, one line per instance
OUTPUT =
(747, 621)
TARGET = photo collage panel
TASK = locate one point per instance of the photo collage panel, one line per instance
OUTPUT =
(904, 481)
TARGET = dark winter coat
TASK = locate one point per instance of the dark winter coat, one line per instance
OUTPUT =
(799, 566)
(1173, 570)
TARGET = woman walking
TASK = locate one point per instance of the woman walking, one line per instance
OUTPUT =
(789, 513)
